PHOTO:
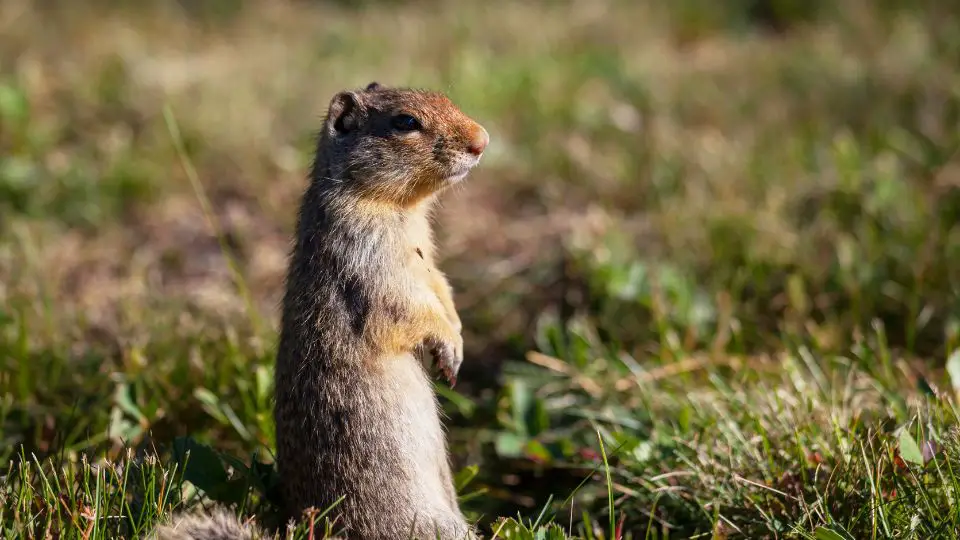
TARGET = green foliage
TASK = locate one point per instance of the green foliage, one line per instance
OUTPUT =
(45, 173)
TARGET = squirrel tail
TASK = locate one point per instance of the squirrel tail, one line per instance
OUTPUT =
(218, 525)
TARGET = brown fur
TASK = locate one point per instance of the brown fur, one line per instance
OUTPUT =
(366, 310)
(218, 525)
(356, 414)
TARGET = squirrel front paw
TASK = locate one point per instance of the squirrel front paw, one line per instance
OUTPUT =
(447, 356)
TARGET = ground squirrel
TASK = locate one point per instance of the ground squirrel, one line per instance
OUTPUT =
(366, 316)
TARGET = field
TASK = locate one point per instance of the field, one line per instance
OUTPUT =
(709, 267)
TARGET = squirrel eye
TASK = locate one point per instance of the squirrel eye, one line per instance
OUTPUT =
(405, 122)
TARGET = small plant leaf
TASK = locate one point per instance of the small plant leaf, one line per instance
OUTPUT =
(125, 401)
(509, 444)
(909, 449)
(464, 476)
(536, 451)
(521, 401)
(512, 529)
(831, 533)
(953, 369)
(464, 405)
(201, 465)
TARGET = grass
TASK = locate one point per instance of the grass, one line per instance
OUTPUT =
(721, 298)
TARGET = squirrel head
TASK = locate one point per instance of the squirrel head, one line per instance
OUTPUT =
(398, 145)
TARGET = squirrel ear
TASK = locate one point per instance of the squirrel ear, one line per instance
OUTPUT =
(374, 86)
(343, 112)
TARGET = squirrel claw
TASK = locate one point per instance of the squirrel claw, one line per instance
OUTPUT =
(447, 357)
(451, 377)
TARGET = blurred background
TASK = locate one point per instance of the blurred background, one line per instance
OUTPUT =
(685, 207)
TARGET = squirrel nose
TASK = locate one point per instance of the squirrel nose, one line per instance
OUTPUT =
(479, 141)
